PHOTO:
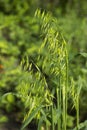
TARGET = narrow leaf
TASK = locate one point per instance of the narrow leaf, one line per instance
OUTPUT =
(31, 116)
(81, 125)
(84, 54)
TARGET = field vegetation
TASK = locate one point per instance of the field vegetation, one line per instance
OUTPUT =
(43, 65)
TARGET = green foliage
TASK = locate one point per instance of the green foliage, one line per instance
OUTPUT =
(31, 116)
(46, 66)
(52, 59)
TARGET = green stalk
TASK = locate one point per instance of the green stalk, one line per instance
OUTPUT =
(64, 92)
(64, 108)
(60, 100)
(58, 107)
(66, 85)
(77, 115)
(52, 118)
(46, 120)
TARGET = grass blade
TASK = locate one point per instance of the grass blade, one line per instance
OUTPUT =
(31, 116)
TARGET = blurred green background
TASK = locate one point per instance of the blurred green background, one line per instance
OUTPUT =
(20, 35)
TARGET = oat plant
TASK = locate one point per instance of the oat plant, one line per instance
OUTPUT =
(57, 58)
(44, 86)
